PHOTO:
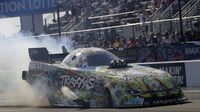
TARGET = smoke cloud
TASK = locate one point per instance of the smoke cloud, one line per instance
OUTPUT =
(14, 59)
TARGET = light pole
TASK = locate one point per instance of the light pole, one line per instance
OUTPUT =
(180, 18)
(58, 19)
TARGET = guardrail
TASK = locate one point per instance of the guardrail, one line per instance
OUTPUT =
(131, 17)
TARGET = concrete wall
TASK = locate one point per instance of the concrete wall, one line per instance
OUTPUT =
(193, 73)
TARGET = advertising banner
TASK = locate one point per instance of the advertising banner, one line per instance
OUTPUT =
(155, 53)
(10, 8)
(188, 51)
(147, 54)
(172, 52)
(177, 70)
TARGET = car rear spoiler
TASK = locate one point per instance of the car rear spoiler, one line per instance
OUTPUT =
(43, 55)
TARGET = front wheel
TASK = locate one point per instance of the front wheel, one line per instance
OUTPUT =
(108, 102)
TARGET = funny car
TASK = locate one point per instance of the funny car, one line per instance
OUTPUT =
(94, 77)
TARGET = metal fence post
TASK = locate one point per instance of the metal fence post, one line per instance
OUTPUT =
(160, 26)
(171, 26)
(180, 18)
(45, 23)
(58, 19)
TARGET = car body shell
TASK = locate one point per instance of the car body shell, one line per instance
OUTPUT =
(102, 86)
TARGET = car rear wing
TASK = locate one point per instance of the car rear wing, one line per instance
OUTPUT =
(43, 55)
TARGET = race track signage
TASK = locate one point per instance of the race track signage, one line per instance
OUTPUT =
(10, 8)
(177, 70)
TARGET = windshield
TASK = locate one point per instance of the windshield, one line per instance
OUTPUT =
(100, 59)
(89, 57)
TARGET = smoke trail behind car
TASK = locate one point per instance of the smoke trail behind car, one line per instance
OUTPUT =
(14, 59)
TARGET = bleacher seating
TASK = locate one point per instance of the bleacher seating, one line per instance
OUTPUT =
(96, 8)
(162, 24)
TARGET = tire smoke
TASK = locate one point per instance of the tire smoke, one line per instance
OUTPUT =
(14, 59)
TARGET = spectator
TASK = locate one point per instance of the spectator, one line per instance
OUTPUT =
(124, 42)
(143, 17)
(156, 3)
(151, 38)
(188, 35)
(117, 44)
(153, 6)
(132, 42)
(179, 37)
(163, 5)
(174, 39)
(142, 41)
(155, 40)
(166, 39)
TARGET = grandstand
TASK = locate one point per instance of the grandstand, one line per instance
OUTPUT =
(82, 14)
(129, 22)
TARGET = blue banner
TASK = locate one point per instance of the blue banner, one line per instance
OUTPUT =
(153, 53)
(10, 8)
(188, 51)
(147, 54)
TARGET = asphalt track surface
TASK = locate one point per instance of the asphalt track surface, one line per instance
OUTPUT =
(192, 105)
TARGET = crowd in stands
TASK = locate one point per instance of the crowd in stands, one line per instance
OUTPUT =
(110, 38)
(105, 7)
(90, 40)
(79, 9)
(92, 8)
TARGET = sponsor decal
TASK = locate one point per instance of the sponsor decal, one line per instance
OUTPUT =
(77, 82)
(177, 71)
(169, 53)
(192, 51)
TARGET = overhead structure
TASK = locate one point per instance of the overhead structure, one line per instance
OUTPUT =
(30, 12)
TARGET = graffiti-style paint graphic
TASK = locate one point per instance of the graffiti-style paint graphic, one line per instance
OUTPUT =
(98, 85)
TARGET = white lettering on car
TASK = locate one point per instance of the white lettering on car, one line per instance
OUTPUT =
(77, 82)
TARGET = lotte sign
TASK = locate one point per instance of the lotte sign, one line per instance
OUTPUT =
(24, 7)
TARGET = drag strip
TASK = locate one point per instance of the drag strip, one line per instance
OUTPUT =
(192, 105)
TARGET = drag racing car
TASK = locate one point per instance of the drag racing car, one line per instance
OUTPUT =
(94, 77)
